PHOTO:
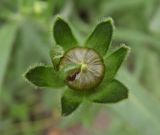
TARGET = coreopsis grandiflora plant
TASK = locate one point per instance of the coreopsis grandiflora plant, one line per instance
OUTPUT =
(85, 71)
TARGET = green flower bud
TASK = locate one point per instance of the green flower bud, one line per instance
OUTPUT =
(88, 71)
(91, 71)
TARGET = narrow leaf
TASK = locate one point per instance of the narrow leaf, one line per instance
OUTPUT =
(114, 61)
(101, 36)
(7, 36)
(140, 106)
(63, 34)
(112, 92)
(43, 76)
(70, 101)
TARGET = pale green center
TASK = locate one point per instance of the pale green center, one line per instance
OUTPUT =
(83, 67)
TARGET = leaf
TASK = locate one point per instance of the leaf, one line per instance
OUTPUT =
(140, 108)
(70, 101)
(113, 6)
(112, 92)
(56, 54)
(114, 61)
(7, 36)
(131, 36)
(43, 76)
(63, 34)
(101, 36)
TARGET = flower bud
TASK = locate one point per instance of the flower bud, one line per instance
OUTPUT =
(91, 70)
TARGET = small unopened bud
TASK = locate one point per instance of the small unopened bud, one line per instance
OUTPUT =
(90, 72)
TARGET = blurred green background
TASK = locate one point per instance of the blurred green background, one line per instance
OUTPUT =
(26, 38)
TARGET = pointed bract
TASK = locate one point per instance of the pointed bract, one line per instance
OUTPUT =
(111, 92)
(56, 54)
(63, 34)
(43, 76)
(101, 37)
(114, 61)
(70, 101)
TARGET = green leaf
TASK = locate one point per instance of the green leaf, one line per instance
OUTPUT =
(101, 37)
(56, 54)
(43, 76)
(70, 101)
(141, 106)
(114, 61)
(63, 34)
(140, 37)
(7, 37)
(112, 92)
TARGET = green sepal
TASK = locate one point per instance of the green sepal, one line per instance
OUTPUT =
(63, 34)
(43, 76)
(114, 61)
(111, 92)
(56, 54)
(70, 101)
(101, 37)
(67, 69)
